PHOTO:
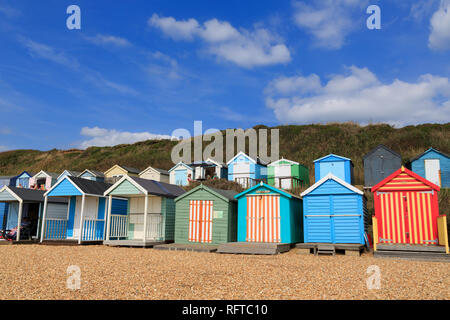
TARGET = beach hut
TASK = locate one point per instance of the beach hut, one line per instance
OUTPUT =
(181, 174)
(22, 180)
(117, 171)
(84, 220)
(150, 215)
(206, 215)
(4, 181)
(407, 211)
(379, 163)
(339, 166)
(209, 169)
(26, 205)
(270, 215)
(287, 174)
(156, 174)
(43, 180)
(434, 166)
(68, 173)
(92, 175)
(246, 171)
(334, 212)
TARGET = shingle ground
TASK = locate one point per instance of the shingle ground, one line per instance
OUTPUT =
(40, 272)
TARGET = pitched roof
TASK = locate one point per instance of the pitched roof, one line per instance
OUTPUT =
(278, 190)
(330, 176)
(385, 148)
(34, 195)
(182, 164)
(90, 186)
(158, 188)
(30, 174)
(282, 159)
(51, 174)
(70, 173)
(162, 171)
(130, 169)
(226, 194)
(258, 159)
(93, 172)
(408, 172)
(332, 155)
(431, 149)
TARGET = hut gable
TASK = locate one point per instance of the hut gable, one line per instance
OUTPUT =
(331, 185)
(404, 179)
(119, 170)
(92, 175)
(64, 187)
(126, 187)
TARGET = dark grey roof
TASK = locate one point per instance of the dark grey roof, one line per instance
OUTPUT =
(385, 148)
(132, 170)
(6, 177)
(35, 195)
(162, 171)
(158, 188)
(90, 186)
(229, 194)
(53, 174)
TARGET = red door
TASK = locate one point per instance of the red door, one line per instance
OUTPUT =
(407, 217)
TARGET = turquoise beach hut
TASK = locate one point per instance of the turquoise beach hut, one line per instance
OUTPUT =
(270, 215)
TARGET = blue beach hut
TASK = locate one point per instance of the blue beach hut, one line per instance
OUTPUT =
(85, 219)
(339, 166)
(434, 166)
(246, 171)
(334, 212)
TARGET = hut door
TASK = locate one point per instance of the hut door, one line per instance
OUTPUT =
(432, 168)
(263, 218)
(200, 221)
(418, 223)
(283, 171)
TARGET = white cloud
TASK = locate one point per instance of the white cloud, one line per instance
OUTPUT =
(46, 52)
(3, 148)
(328, 21)
(242, 47)
(360, 96)
(439, 38)
(102, 39)
(100, 137)
(177, 30)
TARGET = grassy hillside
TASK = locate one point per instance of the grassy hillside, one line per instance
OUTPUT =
(299, 143)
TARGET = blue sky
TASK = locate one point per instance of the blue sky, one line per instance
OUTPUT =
(137, 69)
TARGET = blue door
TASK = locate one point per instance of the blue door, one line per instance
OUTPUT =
(317, 219)
(181, 177)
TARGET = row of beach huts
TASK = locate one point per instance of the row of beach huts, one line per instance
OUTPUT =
(127, 207)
